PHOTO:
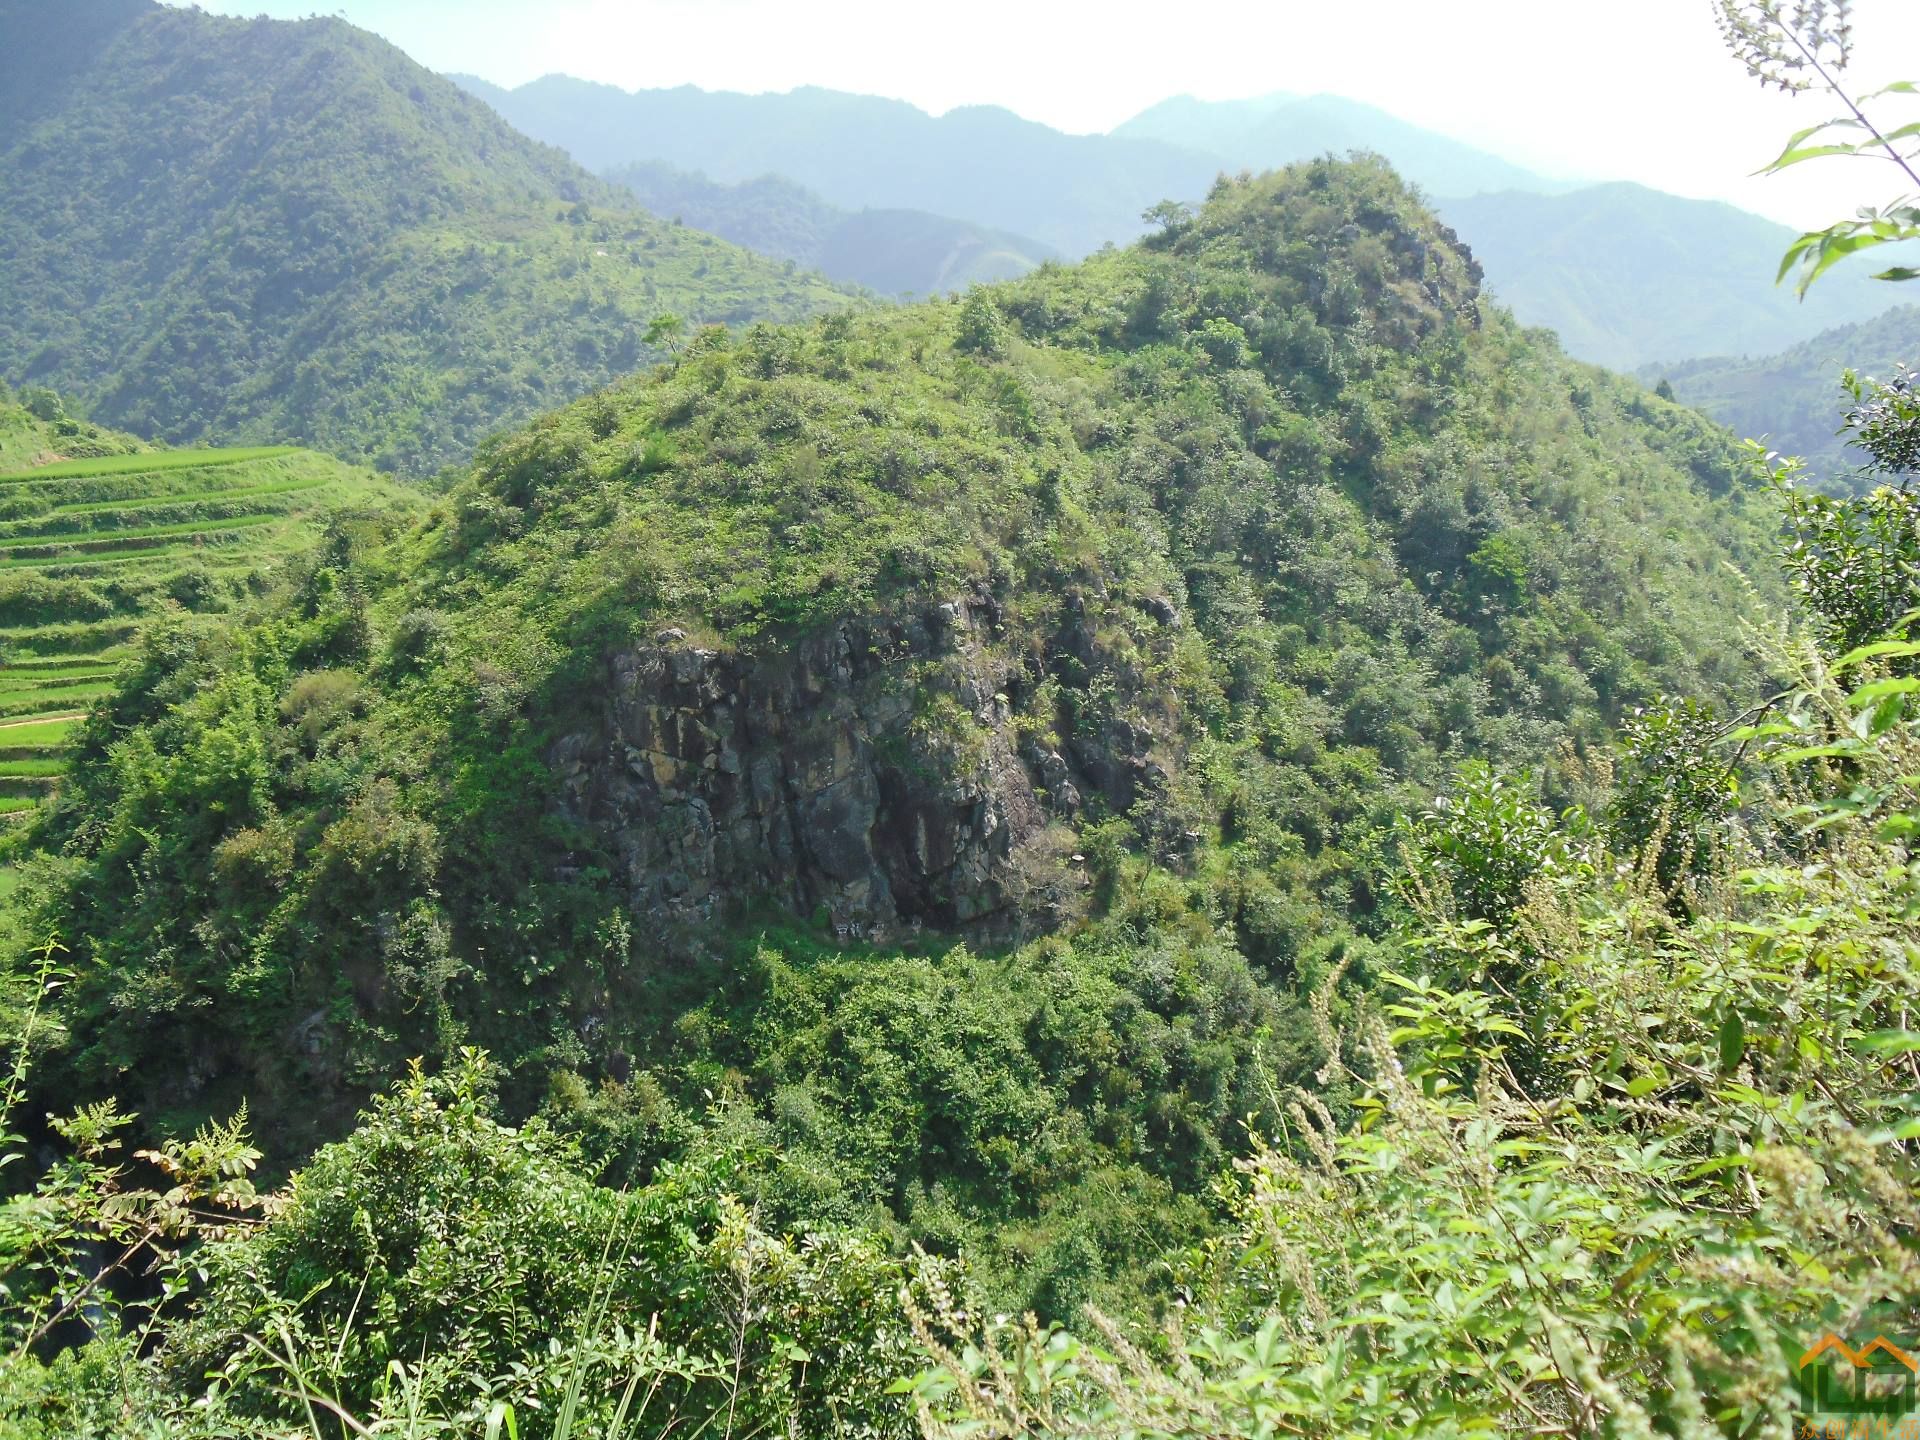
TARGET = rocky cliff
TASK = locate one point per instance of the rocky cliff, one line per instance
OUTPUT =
(875, 774)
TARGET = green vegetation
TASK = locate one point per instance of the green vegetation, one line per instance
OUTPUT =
(401, 277)
(34, 735)
(1568, 1102)
(1276, 524)
(1618, 1157)
(36, 430)
(1227, 801)
(123, 534)
(1596, 1149)
(1622, 1134)
(145, 462)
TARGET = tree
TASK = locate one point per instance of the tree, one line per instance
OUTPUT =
(981, 329)
(1855, 562)
(1170, 215)
(666, 331)
(43, 404)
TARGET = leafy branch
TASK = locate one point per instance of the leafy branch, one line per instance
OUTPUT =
(1796, 48)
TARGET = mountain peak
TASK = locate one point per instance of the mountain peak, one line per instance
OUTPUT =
(1354, 219)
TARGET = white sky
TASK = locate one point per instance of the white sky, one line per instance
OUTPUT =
(1586, 89)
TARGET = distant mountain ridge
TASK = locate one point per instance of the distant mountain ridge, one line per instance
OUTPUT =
(1626, 275)
(1629, 275)
(260, 230)
(1273, 130)
(1793, 400)
(891, 252)
(858, 152)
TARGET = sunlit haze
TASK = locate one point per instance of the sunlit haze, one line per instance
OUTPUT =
(1630, 89)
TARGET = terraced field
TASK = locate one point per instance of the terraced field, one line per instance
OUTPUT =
(92, 547)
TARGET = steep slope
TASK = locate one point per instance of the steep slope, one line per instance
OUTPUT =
(1629, 276)
(891, 252)
(1793, 400)
(714, 740)
(1275, 130)
(268, 231)
(978, 163)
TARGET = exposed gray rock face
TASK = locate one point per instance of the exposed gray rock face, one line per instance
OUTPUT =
(871, 771)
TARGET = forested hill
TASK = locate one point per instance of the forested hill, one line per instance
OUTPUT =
(1793, 399)
(700, 714)
(253, 230)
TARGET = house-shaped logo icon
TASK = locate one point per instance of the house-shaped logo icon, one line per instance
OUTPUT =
(1880, 1380)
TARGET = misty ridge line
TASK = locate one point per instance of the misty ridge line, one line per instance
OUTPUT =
(1627, 276)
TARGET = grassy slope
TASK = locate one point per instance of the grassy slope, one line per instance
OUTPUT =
(1396, 532)
(27, 441)
(260, 231)
(144, 461)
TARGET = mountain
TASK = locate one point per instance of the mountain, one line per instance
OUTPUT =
(1212, 126)
(1625, 274)
(1629, 276)
(942, 743)
(253, 230)
(891, 252)
(1277, 130)
(979, 164)
(1793, 400)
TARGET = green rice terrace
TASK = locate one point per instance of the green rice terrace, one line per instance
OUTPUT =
(98, 533)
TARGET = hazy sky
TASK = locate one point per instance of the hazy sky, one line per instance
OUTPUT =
(1600, 89)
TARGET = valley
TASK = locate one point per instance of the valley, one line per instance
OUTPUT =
(1791, 399)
